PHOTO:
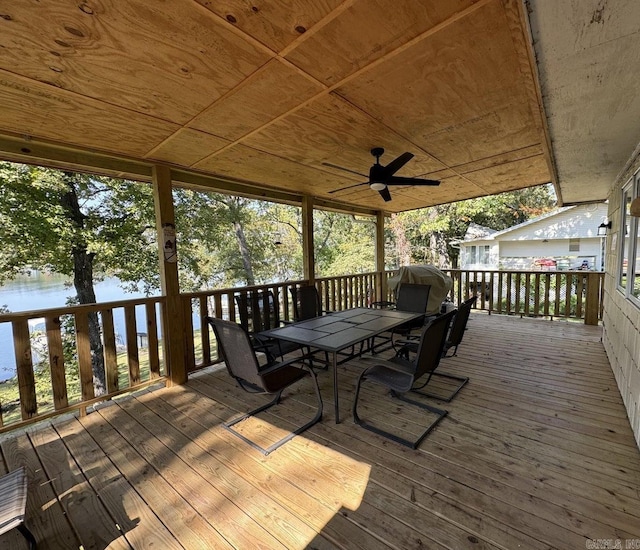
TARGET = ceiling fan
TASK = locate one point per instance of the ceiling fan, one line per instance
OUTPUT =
(380, 177)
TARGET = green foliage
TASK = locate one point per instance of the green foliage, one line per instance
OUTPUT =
(430, 230)
(116, 224)
(343, 244)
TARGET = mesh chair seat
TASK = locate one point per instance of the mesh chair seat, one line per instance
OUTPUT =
(397, 378)
(13, 503)
(276, 377)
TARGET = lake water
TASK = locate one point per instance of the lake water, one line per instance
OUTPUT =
(41, 291)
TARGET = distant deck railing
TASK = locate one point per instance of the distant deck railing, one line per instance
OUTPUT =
(555, 294)
(47, 386)
(336, 294)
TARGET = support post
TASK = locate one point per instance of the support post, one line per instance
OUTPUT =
(592, 299)
(309, 262)
(381, 291)
(172, 311)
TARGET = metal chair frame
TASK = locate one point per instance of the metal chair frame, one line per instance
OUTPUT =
(242, 364)
(399, 375)
(454, 338)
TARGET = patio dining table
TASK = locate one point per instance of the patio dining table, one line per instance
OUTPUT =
(340, 330)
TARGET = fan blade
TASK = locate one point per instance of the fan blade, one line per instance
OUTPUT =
(398, 163)
(384, 193)
(398, 180)
(349, 187)
(344, 169)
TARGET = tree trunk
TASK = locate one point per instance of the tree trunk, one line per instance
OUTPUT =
(403, 246)
(440, 254)
(83, 281)
(244, 252)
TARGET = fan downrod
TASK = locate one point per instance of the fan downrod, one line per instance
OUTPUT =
(377, 152)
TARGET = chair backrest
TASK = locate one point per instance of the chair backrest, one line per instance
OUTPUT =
(413, 297)
(460, 323)
(431, 346)
(258, 311)
(239, 357)
(306, 302)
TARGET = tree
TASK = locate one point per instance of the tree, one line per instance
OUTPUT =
(81, 226)
(229, 241)
(343, 244)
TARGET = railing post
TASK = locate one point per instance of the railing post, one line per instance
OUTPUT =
(173, 330)
(381, 290)
(592, 299)
(308, 255)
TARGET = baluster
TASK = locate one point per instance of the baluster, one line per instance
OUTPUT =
(132, 344)
(24, 365)
(56, 363)
(84, 355)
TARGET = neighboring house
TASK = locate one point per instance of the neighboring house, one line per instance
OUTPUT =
(564, 239)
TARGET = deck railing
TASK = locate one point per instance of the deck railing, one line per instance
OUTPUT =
(336, 294)
(53, 357)
(554, 294)
(47, 385)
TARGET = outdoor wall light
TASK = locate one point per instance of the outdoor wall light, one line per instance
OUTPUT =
(603, 228)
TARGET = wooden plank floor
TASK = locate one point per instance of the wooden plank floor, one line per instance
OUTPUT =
(536, 453)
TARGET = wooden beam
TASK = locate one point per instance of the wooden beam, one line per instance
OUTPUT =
(172, 318)
(308, 257)
(51, 155)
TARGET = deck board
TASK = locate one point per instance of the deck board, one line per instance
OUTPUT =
(536, 453)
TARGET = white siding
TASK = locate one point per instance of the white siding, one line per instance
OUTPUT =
(621, 335)
(548, 237)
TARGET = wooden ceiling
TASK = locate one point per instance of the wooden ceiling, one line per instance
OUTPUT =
(273, 93)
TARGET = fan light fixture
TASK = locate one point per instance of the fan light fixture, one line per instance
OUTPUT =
(603, 228)
(376, 186)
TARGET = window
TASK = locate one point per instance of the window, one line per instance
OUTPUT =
(479, 254)
(629, 243)
(483, 253)
(473, 254)
(574, 245)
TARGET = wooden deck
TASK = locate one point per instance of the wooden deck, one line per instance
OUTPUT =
(536, 453)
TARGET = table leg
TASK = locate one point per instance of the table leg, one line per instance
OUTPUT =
(334, 362)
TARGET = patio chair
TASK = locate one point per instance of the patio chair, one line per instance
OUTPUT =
(13, 502)
(456, 332)
(399, 375)
(306, 302)
(307, 305)
(459, 325)
(410, 297)
(259, 311)
(271, 379)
